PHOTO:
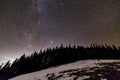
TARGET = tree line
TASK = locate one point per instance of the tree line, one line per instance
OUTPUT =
(56, 56)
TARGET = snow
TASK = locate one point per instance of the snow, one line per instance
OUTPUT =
(54, 72)
(83, 77)
(103, 79)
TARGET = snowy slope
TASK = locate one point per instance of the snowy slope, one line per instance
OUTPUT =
(79, 70)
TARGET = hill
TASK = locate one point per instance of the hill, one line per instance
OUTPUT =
(80, 70)
(55, 57)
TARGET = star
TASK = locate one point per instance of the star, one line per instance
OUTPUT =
(39, 24)
(61, 4)
(51, 42)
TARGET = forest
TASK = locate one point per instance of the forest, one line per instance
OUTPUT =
(56, 56)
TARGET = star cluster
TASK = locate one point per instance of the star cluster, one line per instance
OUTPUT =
(30, 25)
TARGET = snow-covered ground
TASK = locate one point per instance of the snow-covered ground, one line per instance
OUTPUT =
(79, 70)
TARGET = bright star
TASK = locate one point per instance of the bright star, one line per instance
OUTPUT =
(51, 42)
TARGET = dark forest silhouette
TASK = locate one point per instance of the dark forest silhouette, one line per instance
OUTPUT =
(56, 56)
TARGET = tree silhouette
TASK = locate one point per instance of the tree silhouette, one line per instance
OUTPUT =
(56, 56)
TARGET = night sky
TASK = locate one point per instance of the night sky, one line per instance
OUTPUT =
(30, 25)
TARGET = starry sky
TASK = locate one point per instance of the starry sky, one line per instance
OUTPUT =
(30, 25)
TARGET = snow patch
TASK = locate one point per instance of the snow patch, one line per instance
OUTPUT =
(54, 72)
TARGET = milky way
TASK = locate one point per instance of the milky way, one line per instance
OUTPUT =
(30, 25)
